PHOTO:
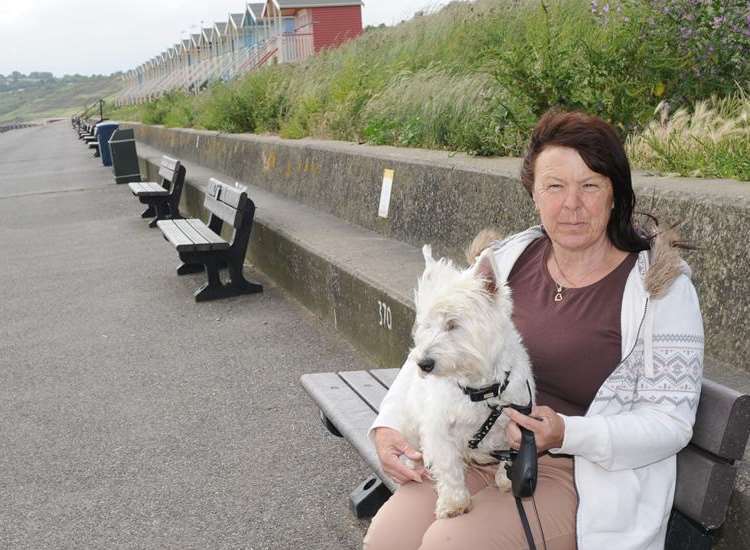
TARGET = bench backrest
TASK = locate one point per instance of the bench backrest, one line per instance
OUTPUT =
(171, 172)
(705, 468)
(228, 203)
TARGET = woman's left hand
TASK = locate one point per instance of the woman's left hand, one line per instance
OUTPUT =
(548, 428)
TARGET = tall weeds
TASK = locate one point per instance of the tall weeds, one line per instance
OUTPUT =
(710, 140)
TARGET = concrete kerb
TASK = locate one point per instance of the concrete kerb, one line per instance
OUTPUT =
(361, 283)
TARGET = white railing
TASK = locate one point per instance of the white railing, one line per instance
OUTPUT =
(296, 47)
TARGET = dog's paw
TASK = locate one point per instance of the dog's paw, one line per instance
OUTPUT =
(453, 505)
(502, 480)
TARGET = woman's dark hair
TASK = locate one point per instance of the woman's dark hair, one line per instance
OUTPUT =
(601, 149)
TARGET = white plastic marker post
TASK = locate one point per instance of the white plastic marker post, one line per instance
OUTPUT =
(385, 193)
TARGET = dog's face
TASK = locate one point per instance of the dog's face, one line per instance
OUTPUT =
(460, 313)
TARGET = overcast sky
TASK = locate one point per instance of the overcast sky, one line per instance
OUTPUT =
(104, 36)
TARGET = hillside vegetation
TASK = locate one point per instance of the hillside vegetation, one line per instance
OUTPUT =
(41, 95)
(476, 76)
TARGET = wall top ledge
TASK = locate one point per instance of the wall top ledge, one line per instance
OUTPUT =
(720, 191)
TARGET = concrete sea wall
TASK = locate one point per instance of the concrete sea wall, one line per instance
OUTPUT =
(445, 199)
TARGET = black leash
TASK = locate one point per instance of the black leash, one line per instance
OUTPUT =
(521, 465)
(525, 524)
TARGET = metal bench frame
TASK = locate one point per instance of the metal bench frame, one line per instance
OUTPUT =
(203, 248)
(164, 203)
(706, 468)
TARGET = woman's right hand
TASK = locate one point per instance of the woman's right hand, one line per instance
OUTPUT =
(390, 445)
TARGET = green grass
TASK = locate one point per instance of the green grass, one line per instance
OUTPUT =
(473, 77)
(56, 99)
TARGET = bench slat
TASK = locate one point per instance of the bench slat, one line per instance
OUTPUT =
(166, 173)
(226, 213)
(148, 189)
(226, 202)
(173, 234)
(704, 487)
(217, 243)
(229, 195)
(346, 410)
(168, 162)
(722, 422)
(366, 386)
(135, 187)
(385, 376)
(199, 241)
(152, 186)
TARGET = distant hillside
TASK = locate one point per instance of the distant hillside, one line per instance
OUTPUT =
(41, 95)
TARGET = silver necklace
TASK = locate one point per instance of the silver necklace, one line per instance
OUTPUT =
(559, 289)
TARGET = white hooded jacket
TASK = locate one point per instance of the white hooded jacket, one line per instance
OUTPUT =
(624, 447)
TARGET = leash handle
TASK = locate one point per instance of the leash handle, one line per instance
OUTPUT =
(523, 472)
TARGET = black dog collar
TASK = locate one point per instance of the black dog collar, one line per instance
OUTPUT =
(486, 392)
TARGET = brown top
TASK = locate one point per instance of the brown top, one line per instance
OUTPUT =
(574, 344)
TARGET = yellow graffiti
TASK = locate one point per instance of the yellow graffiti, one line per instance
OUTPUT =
(301, 166)
(269, 160)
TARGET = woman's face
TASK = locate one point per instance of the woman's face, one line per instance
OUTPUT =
(574, 202)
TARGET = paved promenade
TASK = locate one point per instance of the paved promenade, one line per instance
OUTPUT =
(132, 417)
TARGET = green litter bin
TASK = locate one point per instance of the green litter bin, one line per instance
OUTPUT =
(124, 157)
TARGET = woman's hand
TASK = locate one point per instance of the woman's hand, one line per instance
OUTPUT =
(548, 428)
(390, 445)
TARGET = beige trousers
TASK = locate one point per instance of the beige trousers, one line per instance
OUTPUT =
(407, 521)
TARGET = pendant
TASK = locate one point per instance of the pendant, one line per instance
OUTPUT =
(558, 295)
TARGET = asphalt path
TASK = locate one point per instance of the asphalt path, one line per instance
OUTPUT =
(132, 417)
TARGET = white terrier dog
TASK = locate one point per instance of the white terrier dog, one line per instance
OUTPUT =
(464, 339)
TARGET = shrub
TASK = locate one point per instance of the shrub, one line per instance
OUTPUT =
(560, 54)
(711, 39)
(173, 108)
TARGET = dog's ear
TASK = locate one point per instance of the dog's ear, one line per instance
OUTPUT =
(427, 253)
(485, 270)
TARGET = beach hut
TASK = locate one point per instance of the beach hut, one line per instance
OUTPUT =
(308, 26)
(255, 27)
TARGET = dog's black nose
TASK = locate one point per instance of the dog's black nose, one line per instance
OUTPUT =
(427, 364)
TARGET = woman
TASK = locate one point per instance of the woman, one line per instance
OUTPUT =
(613, 328)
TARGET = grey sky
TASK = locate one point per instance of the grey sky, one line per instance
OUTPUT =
(104, 36)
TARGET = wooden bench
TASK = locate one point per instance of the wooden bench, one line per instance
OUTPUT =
(84, 130)
(706, 468)
(201, 246)
(87, 133)
(162, 199)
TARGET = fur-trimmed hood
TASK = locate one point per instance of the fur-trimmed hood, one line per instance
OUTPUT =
(665, 263)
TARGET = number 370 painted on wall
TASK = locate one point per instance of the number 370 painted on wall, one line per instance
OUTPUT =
(386, 317)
